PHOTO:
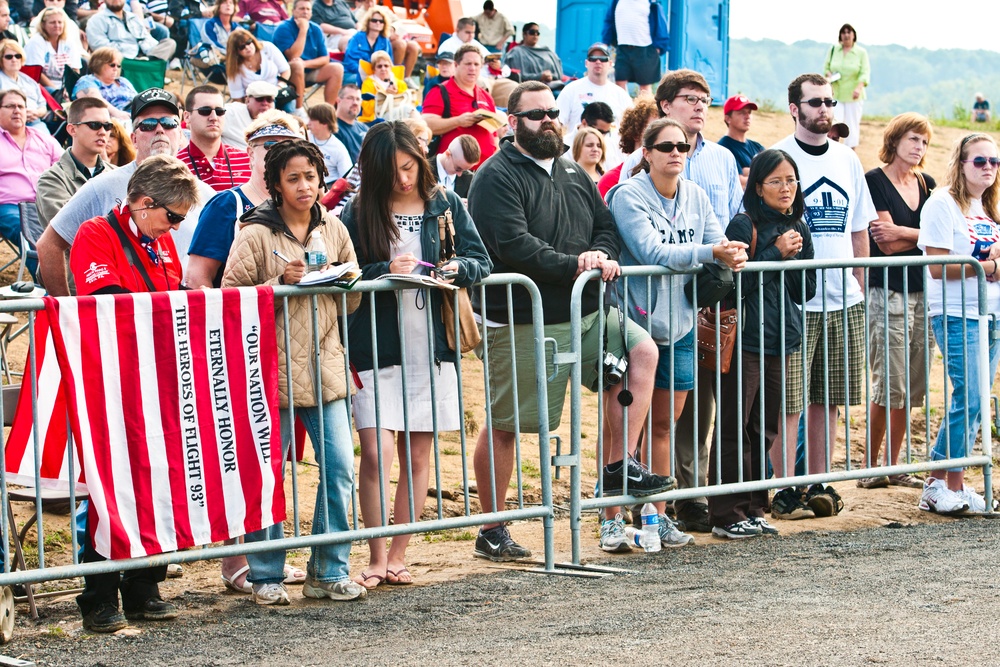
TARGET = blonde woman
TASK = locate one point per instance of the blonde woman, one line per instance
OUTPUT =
(11, 78)
(589, 151)
(961, 220)
(249, 60)
(53, 48)
(373, 35)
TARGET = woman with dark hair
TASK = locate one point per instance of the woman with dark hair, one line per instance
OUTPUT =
(849, 73)
(772, 226)
(394, 223)
(962, 220)
(277, 230)
(666, 220)
(119, 149)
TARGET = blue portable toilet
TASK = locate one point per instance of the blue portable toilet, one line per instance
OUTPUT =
(699, 37)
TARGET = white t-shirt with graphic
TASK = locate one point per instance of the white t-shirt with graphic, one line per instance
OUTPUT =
(943, 225)
(577, 94)
(838, 204)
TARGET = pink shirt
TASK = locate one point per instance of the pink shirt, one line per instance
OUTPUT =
(20, 169)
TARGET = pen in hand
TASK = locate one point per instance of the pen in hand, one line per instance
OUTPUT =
(281, 256)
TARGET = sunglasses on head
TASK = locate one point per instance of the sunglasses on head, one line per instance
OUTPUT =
(669, 146)
(597, 59)
(538, 114)
(979, 162)
(207, 111)
(12, 56)
(149, 124)
(818, 102)
(95, 125)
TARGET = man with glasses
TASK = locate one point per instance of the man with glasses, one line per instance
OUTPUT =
(302, 41)
(594, 87)
(839, 209)
(113, 26)
(534, 62)
(211, 161)
(638, 30)
(684, 96)
(552, 226)
(156, 131)
(259, 98)
(350, 131)
(453, 168)
(88, 122)
(24, 154)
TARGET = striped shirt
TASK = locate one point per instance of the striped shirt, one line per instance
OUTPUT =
(231, 167)
(711, 167)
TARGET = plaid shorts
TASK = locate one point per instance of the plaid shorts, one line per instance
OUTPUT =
(817, 375)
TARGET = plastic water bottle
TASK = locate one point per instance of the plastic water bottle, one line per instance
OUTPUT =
(650, 528)
(316, 252)
(636, 537)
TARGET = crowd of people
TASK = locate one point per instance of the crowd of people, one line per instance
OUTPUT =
(532, 173)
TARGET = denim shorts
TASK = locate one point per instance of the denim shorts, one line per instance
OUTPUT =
(682, 377)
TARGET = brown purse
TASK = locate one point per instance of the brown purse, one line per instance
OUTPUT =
(728, 321)
(468, 327)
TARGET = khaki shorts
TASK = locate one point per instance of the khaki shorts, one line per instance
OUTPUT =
(907, 346)
(816, 373)
(501, 381)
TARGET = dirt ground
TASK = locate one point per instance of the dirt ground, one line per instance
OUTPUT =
(446, 556)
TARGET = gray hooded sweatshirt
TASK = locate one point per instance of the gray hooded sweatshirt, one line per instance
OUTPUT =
(650, 237)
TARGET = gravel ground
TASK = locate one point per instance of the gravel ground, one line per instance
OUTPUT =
(892, 595)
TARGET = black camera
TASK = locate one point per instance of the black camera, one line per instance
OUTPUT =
(614, 369)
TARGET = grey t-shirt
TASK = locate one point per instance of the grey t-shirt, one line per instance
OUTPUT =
(338, 14)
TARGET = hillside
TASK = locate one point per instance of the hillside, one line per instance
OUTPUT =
(931, 82)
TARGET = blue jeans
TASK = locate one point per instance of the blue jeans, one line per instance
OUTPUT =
(964, 376)
(333, 498)
(10, 228)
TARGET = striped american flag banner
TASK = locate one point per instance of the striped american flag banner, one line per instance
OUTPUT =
(172, 399)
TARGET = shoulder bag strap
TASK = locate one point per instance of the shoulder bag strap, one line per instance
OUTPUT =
(753, 238)
(130, 255)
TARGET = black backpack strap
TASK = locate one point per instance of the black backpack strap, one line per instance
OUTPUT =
(133, 259)
(446, 100)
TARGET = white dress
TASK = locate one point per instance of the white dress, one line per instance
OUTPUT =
(419, 365)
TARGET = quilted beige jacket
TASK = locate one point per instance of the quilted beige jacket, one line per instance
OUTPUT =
(252, 262)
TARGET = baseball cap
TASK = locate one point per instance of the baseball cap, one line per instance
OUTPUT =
(737, 102)
(154, 97)
(842, 130)
(262, 89)
(446, 56)
(599, 46)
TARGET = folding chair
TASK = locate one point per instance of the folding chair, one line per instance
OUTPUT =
(31, 231)
(145, 74)
(57, 115)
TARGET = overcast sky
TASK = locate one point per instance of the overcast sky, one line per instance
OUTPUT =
(877, 21)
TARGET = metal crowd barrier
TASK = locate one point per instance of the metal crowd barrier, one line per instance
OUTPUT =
(520, 510)
(708, 482)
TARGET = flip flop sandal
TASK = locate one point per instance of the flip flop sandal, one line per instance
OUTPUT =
(363, 579)
(231, 581)
(397, 574)
(293, 575)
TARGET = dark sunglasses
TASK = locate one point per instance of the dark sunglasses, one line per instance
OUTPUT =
(207, 111)
(149, 124)
(11, 56)
(376, 20)
(264, 100)
(818, 102)
(980, 162)
(96, 125)
(173, 218)
(538, 114)
(597, 59)
(533, 33)
(669, 146)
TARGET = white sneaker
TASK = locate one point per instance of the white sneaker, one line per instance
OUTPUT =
(671, 536)
(976, 502)
(613, 538)
(269, 594)
(937, 497)
(335, 590)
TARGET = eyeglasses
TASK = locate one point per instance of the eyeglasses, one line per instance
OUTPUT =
(95, 125)
(207, 111)
(597, 59)
(669, 146)
(791, 184)
(818, 102)
(115, 65)
(14, 107)
(533, 33)
(149, 124)
(263, 100)
(694, 99)
(980, 162)
(538, 114)
(12, 56)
